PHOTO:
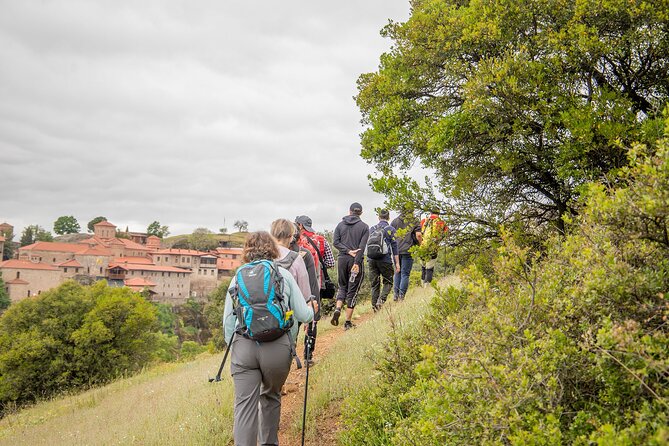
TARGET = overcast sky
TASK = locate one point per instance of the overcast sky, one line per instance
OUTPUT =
(192, 113)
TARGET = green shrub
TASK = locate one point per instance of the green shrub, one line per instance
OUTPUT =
(567, 345)
(190, 349)
(72, 337)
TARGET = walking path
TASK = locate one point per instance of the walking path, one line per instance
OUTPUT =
(328, 424)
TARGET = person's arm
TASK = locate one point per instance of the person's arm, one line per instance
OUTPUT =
(336, 239)
(302, 311)
(229, 317)
(361, 246)
(302, 275)
(311, 271)
(419, 234)
(394, 248)
(328, 257)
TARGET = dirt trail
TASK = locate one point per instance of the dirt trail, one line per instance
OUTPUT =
(329, 423)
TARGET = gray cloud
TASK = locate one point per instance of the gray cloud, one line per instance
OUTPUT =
(191, 113)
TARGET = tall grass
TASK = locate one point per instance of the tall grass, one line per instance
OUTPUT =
(168, 404)
(349, 366)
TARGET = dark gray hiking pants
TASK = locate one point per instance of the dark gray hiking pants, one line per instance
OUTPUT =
(258, 371)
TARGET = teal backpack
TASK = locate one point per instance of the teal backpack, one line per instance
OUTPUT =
(263, 314)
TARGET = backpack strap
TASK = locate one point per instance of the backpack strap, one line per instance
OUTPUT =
(324, 269)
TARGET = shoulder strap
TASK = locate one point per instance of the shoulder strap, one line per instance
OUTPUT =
(324, 268)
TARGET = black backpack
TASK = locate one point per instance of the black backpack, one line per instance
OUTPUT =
(377, 246)
(258, 302)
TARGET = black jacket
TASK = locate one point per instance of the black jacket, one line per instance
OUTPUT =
(351, 233)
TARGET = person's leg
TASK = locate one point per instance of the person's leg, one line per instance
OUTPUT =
(343, 276)
(352, 295)
(397, 281)
(387, 270)
(274, 358)
(247, 379)
(406, 265)
(375, 280)
(429, 270)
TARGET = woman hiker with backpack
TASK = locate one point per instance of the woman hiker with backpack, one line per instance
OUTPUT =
(300, 264)
(262, 301)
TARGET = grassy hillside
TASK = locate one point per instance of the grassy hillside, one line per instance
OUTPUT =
(169, 404)
(174, 403)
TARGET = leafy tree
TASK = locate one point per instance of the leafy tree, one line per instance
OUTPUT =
(202, 239)
(66, 224)
(156, 229)
(71, 337)
(241, 225)
(4, 296)
(94, 222)
(35, 233)
(512, 106)
(223, 231)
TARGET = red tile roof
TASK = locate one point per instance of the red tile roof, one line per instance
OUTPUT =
(17, 282)
(139, 282)
(134, 267)
(55, 246)
(96, 251)
(183, 252)
(133, 245)
(104, 223)
(72, 263)
(25, 264)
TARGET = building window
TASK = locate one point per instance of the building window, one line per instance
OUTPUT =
(28, 293)
(54, 260)
(100, 270)
(76, 270)
(18, 274)
(188, 261)
(65, 270)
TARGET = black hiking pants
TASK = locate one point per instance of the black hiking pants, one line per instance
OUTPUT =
(381, 277)
(348, 291)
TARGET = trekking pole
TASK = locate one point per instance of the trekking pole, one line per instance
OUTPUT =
(306, 384)
(220, 369)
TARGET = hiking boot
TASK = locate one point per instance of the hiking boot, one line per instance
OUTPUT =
(310, 362)
(335, 317)
(348, 325)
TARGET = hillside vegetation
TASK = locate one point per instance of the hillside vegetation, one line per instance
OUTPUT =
(567, 345)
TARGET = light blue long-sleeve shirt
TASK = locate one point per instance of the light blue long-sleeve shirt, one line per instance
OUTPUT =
(302, 312)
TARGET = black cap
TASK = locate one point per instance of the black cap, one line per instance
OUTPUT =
(305, 222)
(356, 208)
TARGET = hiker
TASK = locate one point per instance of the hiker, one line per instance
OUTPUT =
(316, 245)
(259, 369)
(433, 230)
(383, 259)
(301, 265)
(350, 238)
(413, 236)
(282, 230)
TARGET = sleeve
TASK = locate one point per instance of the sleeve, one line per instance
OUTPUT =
(229, 318)
(328, 257)
(300, 270)
(301, 311)
(311, 271)
(336, 239)
(362, 245)
(393, 240)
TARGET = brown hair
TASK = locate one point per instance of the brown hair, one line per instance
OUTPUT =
(282, 229)
(260, 246)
